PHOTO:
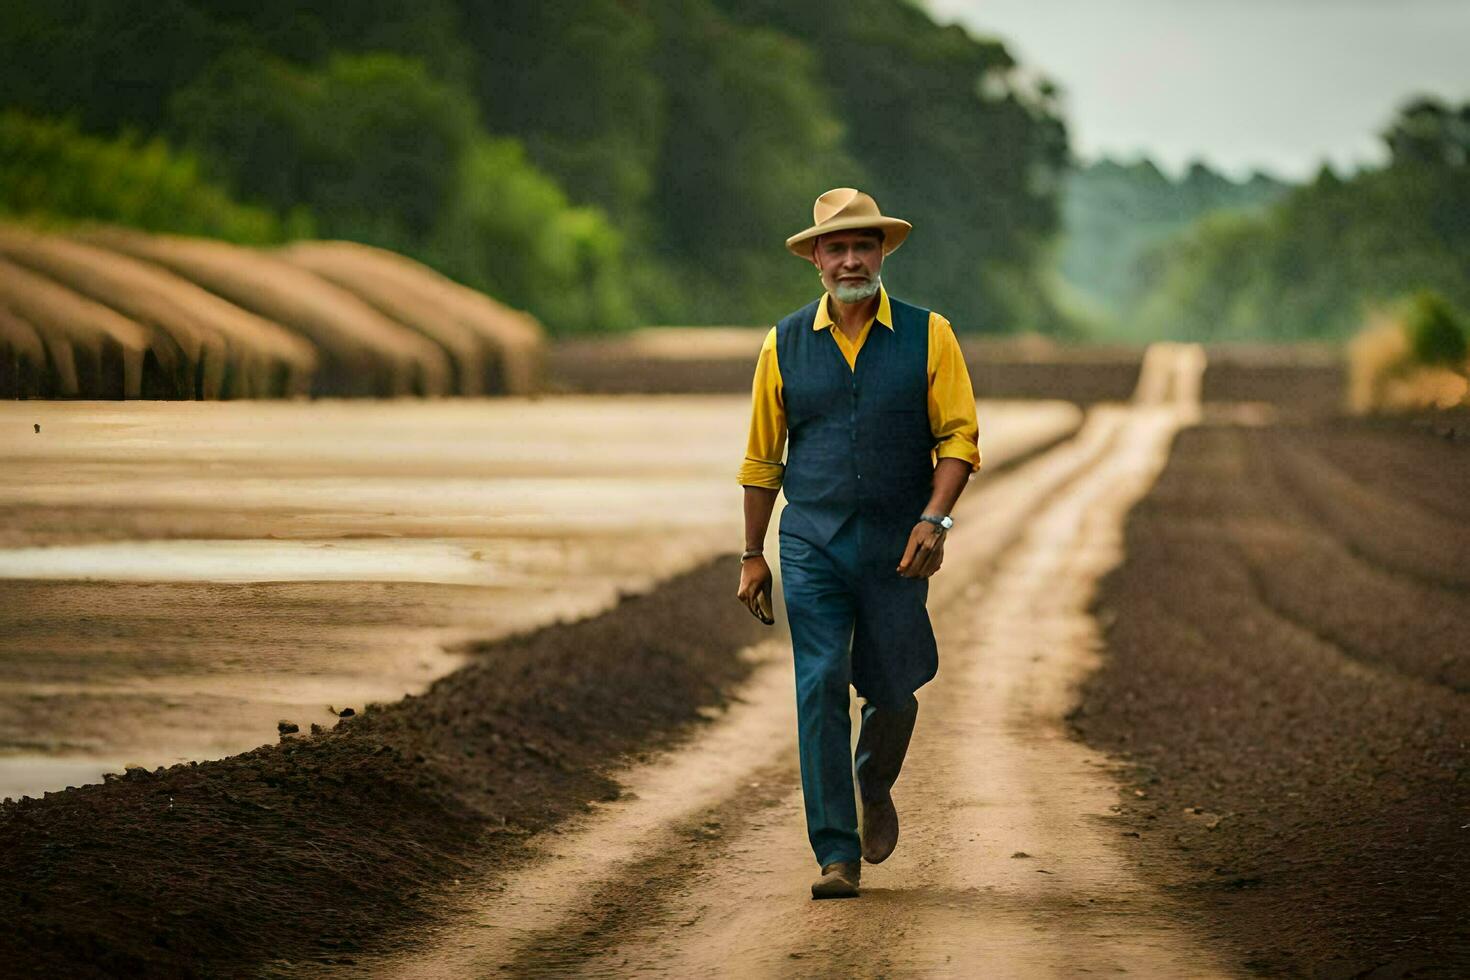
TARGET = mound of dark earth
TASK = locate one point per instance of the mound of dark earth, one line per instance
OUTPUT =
(309, 850)
(1288, 671)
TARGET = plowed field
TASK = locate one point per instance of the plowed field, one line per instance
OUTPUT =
(1288, 670)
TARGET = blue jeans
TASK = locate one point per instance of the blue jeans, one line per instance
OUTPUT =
(824, 588)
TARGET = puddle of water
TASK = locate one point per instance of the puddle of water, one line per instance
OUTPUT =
(21, 774)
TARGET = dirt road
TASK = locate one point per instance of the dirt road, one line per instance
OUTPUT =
(1011, 862)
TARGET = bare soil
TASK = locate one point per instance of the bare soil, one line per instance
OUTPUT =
(1300, 381)
(1287, 671)
(304, 852)
(999, 368)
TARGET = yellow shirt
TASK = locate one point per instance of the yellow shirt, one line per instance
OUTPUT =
(951, 399)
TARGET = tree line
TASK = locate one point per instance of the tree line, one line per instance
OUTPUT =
(1313, 265)
(601, 163)
(1116, 216)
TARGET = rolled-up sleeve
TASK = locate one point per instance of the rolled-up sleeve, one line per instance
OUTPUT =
(951, 398)
(766, 444)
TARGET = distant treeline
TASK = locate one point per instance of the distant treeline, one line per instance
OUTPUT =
(1312, 265)
(1115, 218)
(600, 163)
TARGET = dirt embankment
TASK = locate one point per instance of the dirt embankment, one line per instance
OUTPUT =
(307, 851)
(1288, 670)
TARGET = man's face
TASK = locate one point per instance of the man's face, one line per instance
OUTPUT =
(849, 262)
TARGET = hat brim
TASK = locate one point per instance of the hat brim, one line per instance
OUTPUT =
(895, 230)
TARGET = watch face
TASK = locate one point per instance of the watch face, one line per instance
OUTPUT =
(947, 523)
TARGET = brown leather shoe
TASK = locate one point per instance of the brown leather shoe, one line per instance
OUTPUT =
(839, 880)
(880, 829)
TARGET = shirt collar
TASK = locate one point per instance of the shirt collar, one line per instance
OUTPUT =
(885, 312)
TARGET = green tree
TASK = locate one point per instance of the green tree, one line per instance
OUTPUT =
(702, 128)
(1436, 333)
(371, 143)
(951, 136)
(1114, 217)
(1330, 248)
(575, 82)
(51, 173)
(114, 64)
(511, 232)
(751, 142)
(1427, 131)
(109, 64)
(385, 154)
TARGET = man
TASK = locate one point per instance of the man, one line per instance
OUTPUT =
(877, 402)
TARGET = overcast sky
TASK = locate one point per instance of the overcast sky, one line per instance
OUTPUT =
(1272, 84)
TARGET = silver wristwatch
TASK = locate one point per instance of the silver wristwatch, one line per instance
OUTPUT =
(944, 522)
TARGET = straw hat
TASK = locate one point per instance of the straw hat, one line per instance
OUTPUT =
(842, 209)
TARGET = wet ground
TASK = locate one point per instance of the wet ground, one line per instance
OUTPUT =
(176, 578)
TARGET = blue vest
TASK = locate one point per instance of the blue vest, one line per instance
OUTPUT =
(859, 441)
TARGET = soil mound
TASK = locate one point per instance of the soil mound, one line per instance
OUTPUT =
(306, 851)
(1287, 672)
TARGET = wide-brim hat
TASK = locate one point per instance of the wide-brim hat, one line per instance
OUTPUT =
(843, 209)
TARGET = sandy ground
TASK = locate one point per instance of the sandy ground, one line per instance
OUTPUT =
(175, 578)
(1012, 860)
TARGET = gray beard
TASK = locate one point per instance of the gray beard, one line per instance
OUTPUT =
(856, 294)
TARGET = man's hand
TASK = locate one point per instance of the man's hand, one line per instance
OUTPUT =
(924, 553)
(755, 588)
